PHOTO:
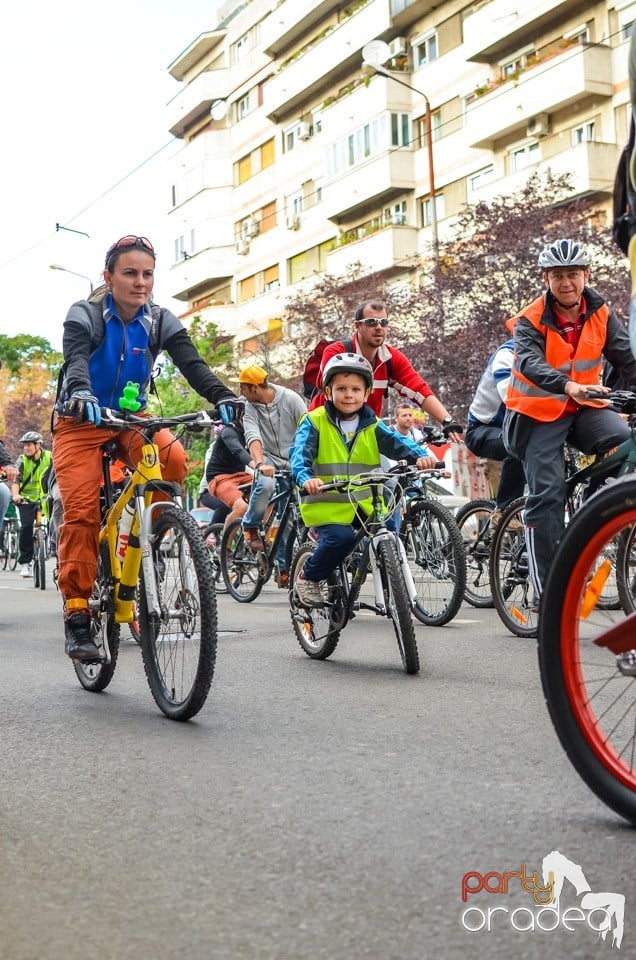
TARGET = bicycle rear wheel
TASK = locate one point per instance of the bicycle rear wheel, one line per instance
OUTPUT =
(317, 629)
(397, 604)
(244, 572)
(212, 536)
(590, 690)
(178, 645)
(96, 676)
(437, 561)
(14, 549)
(473, 521)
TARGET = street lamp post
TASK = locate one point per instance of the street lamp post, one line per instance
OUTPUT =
(375, 54)
(56, 266)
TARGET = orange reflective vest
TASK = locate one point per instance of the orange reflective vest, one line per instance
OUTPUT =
(583, 365)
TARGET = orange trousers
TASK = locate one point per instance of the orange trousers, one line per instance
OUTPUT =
(77, 456)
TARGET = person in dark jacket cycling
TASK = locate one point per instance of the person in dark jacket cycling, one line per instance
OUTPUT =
(108, 342)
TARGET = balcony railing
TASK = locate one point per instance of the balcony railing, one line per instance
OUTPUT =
(385, 247)
(368, 184)
(505, 25)
(333, 55)
(552, 84)
(195, 99)
(190, 276)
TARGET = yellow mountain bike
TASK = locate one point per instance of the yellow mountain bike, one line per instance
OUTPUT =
(157, 574)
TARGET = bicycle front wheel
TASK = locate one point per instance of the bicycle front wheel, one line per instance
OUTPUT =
(473, 521)
(590, 690)
(397, 604)
(39, 561)
(14, 549)
(96, 676)
(244, 571)
(509, 574)
(436, 557)
(178, 644)
(317, 629)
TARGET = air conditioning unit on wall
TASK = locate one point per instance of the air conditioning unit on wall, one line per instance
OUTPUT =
(293, 222)
(304, 131)
(538, 126)
(242, 247)
(397, 47)
(252, 227)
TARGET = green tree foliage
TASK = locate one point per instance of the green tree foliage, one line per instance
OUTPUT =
(450, 315)
(28, 379)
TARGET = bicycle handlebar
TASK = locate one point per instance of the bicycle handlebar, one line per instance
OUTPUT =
(117, 420)
(381, 476)
(623, 401)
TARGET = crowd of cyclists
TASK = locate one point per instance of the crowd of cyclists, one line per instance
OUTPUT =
(530, 401)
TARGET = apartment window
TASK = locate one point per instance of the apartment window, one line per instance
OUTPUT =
(268, 154)
(436, 127)
(184, 246)
(295, 204)
(511, 67)
(396, 214)
(425, 209)
(298, 269)
(626, 17)
(579, 34)
(268, 217)
(584, 133)
(524, 157)
(271, 278)
(247, 289)
(400, 130)
(368, 140)
(241, 47)
(243, 107)
(425, 50)
(480, 178)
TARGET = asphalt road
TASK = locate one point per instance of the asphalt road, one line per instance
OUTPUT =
(312, 811)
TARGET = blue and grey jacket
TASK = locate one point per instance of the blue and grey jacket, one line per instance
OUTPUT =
(102, 353)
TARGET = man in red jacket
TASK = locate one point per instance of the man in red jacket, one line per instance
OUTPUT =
(390, 368)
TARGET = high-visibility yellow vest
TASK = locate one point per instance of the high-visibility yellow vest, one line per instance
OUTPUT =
(335, 462)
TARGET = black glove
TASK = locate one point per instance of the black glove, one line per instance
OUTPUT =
(82, 406)
(452, 428)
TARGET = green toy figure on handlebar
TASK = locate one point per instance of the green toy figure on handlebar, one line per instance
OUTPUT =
(129, 401)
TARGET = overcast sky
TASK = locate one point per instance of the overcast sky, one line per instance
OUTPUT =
(84, 91)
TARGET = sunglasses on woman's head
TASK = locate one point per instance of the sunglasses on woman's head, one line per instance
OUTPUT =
(374, 321)
(134, 243)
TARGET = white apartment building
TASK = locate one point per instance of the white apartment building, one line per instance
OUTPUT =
(297, 159)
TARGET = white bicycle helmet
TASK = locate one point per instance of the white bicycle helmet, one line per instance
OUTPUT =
(31, 437)
(564, 253)
(347, 363)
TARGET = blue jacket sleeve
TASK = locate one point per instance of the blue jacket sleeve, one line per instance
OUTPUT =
(303, 450)
(398, 448)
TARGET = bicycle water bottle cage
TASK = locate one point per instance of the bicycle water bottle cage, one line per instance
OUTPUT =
(129, 401)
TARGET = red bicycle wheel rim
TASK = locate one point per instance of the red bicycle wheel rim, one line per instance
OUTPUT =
(573, 678)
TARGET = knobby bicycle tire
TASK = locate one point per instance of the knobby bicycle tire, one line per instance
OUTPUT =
(245, 572)
(397, 604)
(96, 676)
(179, 646)
(317, 629)
(435, 552)
(512, 589)
(215, 530)
(592, 703)
(473, 521)
(39, 561)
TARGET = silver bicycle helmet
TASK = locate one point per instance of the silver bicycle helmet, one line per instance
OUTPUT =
(347, 363)
(31, 437)
(564, 253)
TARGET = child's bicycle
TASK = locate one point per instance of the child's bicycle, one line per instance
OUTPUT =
(376, 550)
(164, 581)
